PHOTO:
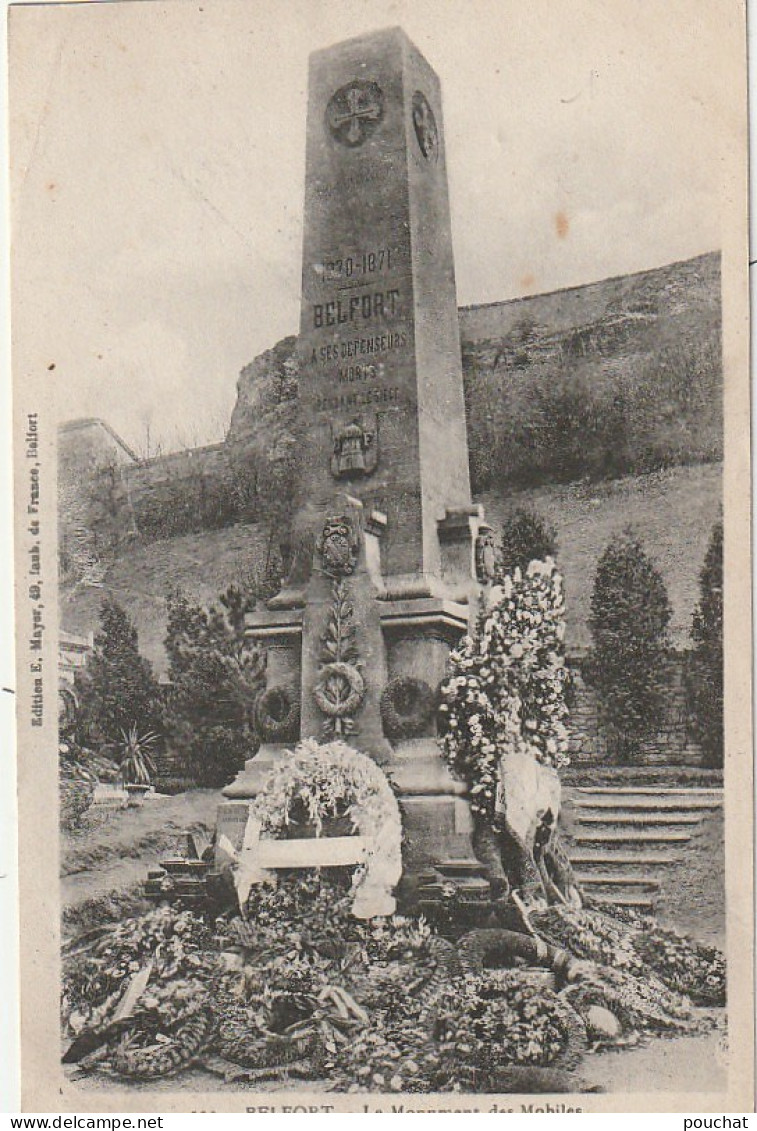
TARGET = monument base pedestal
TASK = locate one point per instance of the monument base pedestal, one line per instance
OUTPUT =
(249, 782)
(435, 814)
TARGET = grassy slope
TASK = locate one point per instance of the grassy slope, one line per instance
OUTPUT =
(673, 511)
(204, 565)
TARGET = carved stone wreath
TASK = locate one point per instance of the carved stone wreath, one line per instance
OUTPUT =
(340, 690)
(425, 126)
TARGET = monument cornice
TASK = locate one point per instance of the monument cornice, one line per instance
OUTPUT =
(421, 612)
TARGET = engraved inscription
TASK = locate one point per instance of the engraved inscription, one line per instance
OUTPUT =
(348, 374)
(377, 304)
(353, 266)
(361, 398)
(358, 347)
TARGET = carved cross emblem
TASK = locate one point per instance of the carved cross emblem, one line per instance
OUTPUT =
(354, 111)
(425, 126)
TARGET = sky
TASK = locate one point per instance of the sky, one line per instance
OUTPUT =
(158, 174)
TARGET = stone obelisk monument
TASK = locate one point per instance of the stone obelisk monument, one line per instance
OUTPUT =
(391, 553)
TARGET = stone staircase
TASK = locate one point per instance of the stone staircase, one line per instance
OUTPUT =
(621, 840)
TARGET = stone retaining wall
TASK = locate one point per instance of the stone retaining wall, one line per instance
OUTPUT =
(672, 745)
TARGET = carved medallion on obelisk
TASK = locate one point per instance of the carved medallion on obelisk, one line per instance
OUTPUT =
(354, 111)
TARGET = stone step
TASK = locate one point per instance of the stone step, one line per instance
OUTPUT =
(620, 880)
(602, 859)
(648, 804)
(475, 886)
(715, 792)
(430, 892)
(638, 902)
(455, 868)
(636, 819)
(631, 836)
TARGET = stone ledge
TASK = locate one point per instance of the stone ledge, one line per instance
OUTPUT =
(274, 622)
(420, 612)
(456, 524)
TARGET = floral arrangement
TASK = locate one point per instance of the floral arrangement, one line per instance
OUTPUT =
(333, 779)
(591, 935)
(395, 1053)
(506, 689)
(320, 779)
(645, 951)
(94, 979)
(477, 1029)
(684, 966)
(507, 1021)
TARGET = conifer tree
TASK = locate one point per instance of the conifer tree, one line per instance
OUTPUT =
(706, 675)
(116, 690)
(216, 674)
(526, 537)
(630, 614)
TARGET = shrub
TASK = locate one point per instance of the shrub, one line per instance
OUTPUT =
(505, 691)
(75, 794)
(705, 683)
(215, 675)
(116, 689)
(526, 537)
(78, 774)
(136, 763)
(184, 503)
(630, 613)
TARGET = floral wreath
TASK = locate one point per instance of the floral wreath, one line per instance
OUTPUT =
(277, 711)
(407, 704)
(321, 778)
(505, 691)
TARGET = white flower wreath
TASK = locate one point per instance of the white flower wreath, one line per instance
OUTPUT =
(505, 694)
(321, 777)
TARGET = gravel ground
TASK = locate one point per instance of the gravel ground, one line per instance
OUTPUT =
(664, 1064)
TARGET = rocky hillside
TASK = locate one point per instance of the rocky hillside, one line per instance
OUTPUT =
(600, 404)
(618, 377)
